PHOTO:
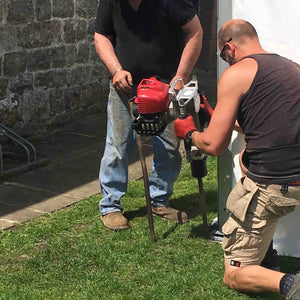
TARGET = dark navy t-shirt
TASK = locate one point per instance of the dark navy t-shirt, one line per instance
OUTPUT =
(148, 42)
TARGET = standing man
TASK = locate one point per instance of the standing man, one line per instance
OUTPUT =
(137, 39)
(261, 91)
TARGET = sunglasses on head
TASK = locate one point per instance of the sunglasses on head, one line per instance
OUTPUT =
(222, 53)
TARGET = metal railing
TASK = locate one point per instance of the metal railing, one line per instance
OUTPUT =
(29, 149)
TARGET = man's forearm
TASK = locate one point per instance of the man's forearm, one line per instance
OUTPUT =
(106, 52)
(209, 145)
(121, 79)
(198, 141)
(193, 44)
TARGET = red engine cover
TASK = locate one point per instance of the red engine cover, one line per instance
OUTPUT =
(152, 96)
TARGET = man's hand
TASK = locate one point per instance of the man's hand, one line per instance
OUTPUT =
(180, 83)
(183, 126)
(122, 81)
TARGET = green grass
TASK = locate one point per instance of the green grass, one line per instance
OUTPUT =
(69, 254)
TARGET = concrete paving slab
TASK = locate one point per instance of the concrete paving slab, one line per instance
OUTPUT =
(7, 208)
(93, 125)
(5, 224)
(52, 180)
(11, 215)
(85, 164)
(61, 182)
(38, 200)
(21, 196)
(54, 203)
(86, 190)
(94, 153)
(64, 144)
(71, 175)
(135, 170)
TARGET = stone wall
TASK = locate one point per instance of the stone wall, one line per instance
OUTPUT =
(49, 71)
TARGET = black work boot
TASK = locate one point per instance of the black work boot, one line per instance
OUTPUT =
(294, 293)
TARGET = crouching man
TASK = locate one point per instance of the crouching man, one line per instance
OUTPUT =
(261, 91)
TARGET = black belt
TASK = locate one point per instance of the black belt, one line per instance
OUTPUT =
(285, 187)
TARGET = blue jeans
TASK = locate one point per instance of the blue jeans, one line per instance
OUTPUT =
(120, 140)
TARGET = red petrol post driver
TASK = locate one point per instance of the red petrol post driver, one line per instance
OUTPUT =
(155, 105)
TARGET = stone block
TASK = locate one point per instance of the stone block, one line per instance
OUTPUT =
(40, 34)
(86, 8)
(58, 57)
(21, 82)
(100, 74)
(80, 75)
(8, 38)
(56, 101)
(34, 106)
(74, 30)
(72, 98)
(9, 110)
(1, 11)
(91, 94)
(91, 27)
(20, 11)
(93, 54)
(43, 10)
(14, 63)
(51, 79)
(63, 8)
(38, 60)
(95, 94)
(70, 55)
(3, 88)
(83, 51)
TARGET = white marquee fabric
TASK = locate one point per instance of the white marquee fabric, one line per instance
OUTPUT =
(277, 23)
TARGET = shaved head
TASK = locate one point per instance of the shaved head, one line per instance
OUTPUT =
(236, 29)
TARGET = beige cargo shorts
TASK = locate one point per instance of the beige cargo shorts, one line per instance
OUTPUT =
(255, 209)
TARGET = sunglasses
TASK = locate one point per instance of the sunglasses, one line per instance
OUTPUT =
(222, 53)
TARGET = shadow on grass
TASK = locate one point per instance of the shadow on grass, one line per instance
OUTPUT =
(172, 229)
(192, 205)
(130, 215)
(189, 203)
(197, 232)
